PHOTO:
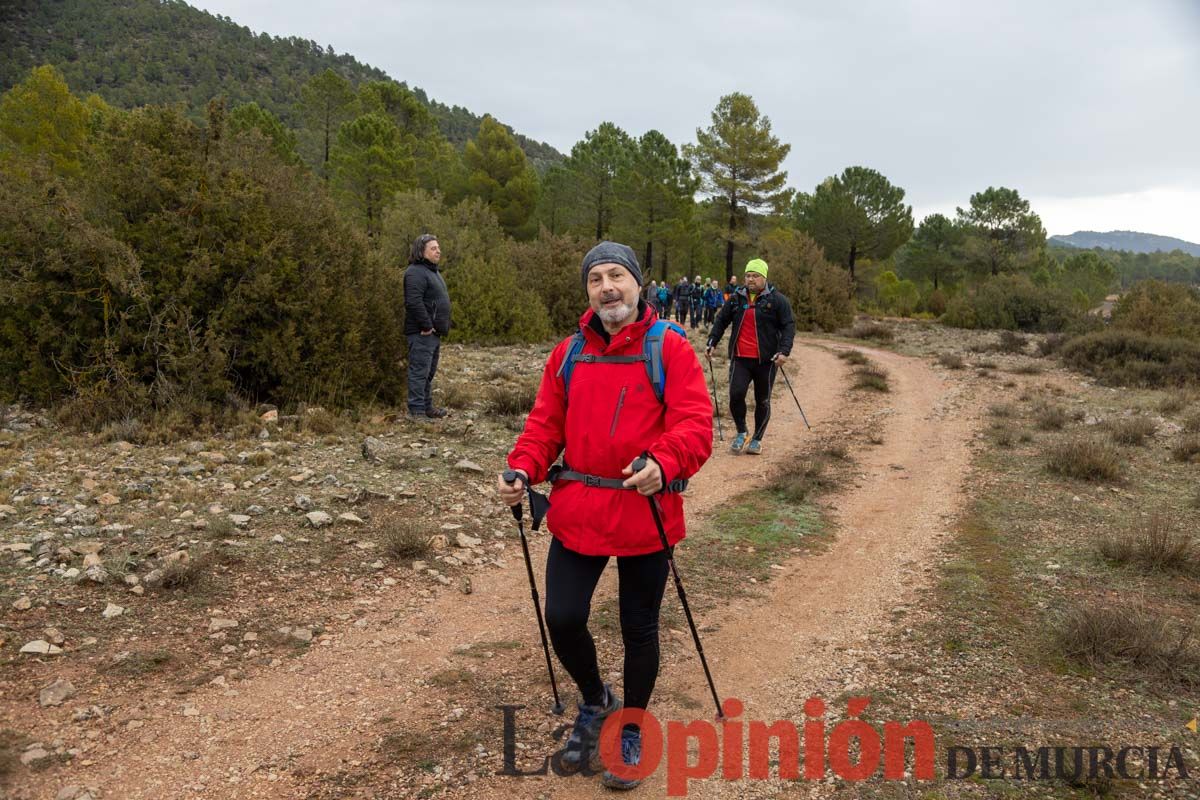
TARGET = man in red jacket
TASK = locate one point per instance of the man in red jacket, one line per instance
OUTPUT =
(598, 506)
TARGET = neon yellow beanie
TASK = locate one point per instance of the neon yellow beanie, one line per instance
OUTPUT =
(757, 265)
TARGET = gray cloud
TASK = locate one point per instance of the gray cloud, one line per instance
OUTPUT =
(1064, 99)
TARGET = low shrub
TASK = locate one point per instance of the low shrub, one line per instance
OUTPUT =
(1124, 358)
(1132, 430)
(1085, 459)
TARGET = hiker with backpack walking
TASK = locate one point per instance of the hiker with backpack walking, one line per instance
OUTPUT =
(763, 329)
(683, 300)
(626, 385)
(712, 301)
(664, 301)
(697, 301)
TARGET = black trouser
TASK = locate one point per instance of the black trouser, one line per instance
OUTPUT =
(423, 352)
(742, 372)
(681, 311)
(570, 581)
(696, 313)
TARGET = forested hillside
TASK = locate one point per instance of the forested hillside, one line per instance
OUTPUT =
(141, 52)
(1130, 241)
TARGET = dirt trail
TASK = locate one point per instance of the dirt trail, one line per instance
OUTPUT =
(269, 736)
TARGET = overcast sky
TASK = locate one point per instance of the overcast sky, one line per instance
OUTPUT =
(1090, 109)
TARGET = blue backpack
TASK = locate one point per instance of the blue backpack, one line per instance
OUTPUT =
(651, 356)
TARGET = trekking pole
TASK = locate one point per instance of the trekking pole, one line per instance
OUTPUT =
(793, 391)
(716, 403)
(638, 465)
(511, 477)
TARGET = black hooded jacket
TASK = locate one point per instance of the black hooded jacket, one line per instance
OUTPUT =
(774, 323)
(426, 301)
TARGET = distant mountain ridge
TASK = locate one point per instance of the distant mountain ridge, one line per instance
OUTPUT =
(1131, 241)
(142, 52)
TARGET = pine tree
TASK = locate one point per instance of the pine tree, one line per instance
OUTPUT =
(499, 174)
(326, 102)
(654, 192)
(1003, 235)
(370, 163)
(595, 163)
(41, 117)
(858, 214)
(738, 160)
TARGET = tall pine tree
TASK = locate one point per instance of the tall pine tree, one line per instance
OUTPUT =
(858, 214)
(498, 173)
(738, 160)
(654, 192)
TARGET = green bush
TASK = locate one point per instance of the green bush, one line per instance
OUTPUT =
(186, 264)
(1011, 302)
(1125, 358)
(821, 293)
(936, 302)
(899, 297)
(550, 266)
(1160, 309)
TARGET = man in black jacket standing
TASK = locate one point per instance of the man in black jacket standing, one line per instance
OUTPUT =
(763, 331)
(426, 321)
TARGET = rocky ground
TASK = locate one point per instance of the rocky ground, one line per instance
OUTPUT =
(319, 605)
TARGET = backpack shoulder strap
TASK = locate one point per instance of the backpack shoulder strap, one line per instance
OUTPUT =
(652, 347)
(568, 362)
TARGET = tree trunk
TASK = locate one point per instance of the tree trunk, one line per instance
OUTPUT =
(600, 217)
(649, 262)
(729, 240)
(325, 163)
(853, 256)
(666, 280)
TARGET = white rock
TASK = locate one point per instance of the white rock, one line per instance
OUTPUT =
(468, 466)
(350, 518)
(318, 519)
(22, 603)
(465, 540)
(220, 624)
(41, 647)
(239, 520)
(112, 610)
(277, 539)
(56, 693)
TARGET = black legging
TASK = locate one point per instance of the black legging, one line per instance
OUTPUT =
(570, 581)
(742, 371)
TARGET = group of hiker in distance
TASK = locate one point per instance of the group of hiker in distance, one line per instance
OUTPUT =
(625, 402)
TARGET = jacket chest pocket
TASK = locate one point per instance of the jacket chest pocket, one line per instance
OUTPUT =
(616, 417)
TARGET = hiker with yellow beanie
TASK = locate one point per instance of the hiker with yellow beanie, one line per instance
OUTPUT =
(763, 329)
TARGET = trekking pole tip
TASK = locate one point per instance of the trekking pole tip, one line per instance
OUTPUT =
(558, 709)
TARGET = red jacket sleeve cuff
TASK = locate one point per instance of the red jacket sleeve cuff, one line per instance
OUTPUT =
(536, 475)
(670, 468)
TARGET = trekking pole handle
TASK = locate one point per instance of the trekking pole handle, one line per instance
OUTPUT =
(510, 477)
(639, 463)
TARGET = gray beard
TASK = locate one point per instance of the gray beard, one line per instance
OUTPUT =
(613, 316)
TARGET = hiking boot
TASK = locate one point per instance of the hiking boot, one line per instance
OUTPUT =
(585, 734)
(437, 413)
(419, 416)
(739, 441)
(631, 755)
(754, 448)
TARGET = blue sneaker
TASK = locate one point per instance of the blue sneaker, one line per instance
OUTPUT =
(584, 740)
(738, 442)
(754, 448)
(631, 755)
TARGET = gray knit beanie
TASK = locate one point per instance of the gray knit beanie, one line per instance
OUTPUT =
(612, 253)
